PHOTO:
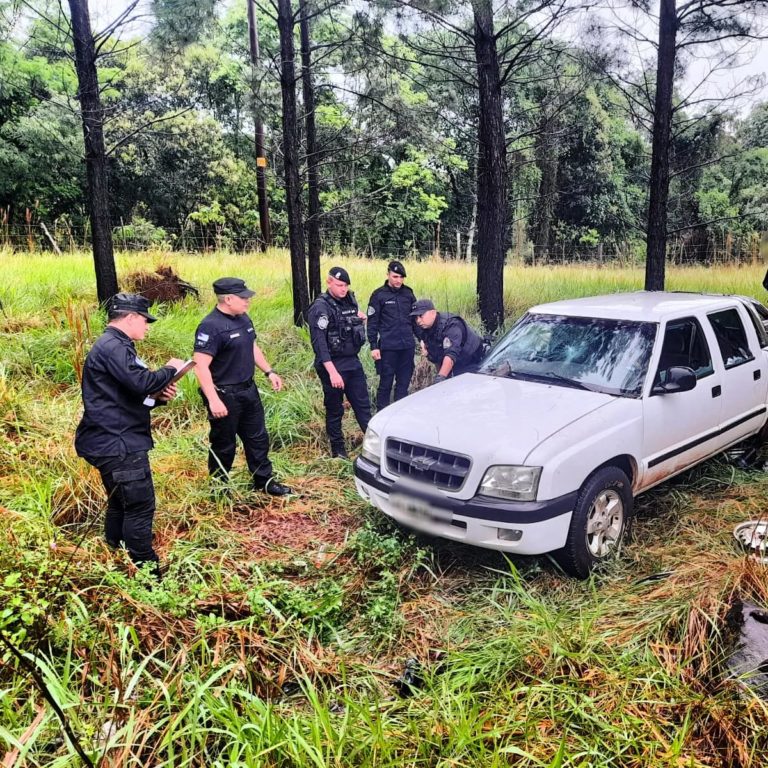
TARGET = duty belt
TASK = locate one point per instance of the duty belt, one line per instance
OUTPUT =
(230, 388)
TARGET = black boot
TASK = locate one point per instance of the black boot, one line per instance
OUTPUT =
(273, 488)
(339, 451)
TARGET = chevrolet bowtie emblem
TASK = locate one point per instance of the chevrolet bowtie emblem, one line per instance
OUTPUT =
(423, 463)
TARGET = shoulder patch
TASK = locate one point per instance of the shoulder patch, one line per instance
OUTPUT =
(446, 343)
(371, 311)
(203, 337)
(140, 362)
(322, 322)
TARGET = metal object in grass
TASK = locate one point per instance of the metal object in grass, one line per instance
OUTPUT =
(411, 678)
(753, 536)
(748, 661)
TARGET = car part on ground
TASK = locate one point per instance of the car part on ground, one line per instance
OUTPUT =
(753, 536)
(748, 662)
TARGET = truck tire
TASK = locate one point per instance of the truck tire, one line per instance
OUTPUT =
(599, 521)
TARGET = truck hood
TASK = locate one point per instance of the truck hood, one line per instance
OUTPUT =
(502, 419)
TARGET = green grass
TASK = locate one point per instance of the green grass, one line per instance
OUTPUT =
(281, 628)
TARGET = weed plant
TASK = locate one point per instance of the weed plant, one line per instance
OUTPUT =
(281, 628)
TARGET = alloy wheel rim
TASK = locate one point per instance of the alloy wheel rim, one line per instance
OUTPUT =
(605, 522)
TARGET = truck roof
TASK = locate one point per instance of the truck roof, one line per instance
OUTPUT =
(649, 306)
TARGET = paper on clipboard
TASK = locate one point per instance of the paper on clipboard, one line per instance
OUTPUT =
(150, 400)
(183, 371)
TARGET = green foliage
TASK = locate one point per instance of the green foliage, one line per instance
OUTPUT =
(139, 234)
(396, 122)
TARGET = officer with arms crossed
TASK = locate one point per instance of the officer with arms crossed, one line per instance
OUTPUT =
(390, 334)
(449, 342)
(227, 355)
(337, 331)
(114, 434)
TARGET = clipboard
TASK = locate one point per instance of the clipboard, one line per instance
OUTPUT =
(149, 401)
(183, 371)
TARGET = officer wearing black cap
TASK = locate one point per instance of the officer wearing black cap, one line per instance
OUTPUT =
(390, 334)
(114, 433)
(227, 355)
(337, 331)
(450, 343)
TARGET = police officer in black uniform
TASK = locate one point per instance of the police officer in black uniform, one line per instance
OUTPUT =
(227, 355)
(337, 331)
(390, 334)
(114, 433)
(450, 343)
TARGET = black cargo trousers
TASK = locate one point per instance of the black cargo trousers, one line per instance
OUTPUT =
(130, 503)
(356, 391)
(245, 419)
(395, 367)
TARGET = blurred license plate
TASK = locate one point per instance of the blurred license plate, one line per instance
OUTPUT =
(418, 508)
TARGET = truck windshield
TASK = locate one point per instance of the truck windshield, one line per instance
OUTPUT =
(598, 354)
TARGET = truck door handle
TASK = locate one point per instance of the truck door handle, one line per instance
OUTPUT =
(757, 374)
(716, 391)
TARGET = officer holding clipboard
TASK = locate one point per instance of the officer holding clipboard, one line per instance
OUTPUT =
(114, 434)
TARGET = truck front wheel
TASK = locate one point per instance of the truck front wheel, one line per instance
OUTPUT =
(599, 521)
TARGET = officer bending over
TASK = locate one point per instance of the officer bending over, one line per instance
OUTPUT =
(114, 434)
(390, 334)
(337, 331)
(227, 355)
(450, 343)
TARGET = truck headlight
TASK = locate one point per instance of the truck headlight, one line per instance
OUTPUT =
(511, 482)
(371, 446)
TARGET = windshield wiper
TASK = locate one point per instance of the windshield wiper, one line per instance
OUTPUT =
(562, 379)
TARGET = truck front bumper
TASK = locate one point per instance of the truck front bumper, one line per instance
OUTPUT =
(521, 527)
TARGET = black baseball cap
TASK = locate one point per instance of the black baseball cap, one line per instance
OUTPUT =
(422, 306)
(340, 274)
(131, 302)
(234, 285)
(396, 267)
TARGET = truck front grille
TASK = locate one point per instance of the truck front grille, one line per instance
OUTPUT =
(427, 465)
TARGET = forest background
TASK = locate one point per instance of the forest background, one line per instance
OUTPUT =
(395, 114)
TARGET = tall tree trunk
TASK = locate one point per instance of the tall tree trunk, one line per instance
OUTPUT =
(97, 176)
(656, 248)
(491, 176)
(285, 23)
(313, 220)
(261, 159)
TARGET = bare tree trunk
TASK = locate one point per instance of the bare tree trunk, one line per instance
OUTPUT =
(662, 120)
(492, 169)
(472, 229)
(96, 170)
(285, 22)
(261, 159)
(313, 220)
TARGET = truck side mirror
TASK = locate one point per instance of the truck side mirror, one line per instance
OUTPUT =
(679, 378)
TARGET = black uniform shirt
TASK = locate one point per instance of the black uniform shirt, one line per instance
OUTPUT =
(115, 384)
(229, 340)
(325, 317)
(389, 318)
(450, 336)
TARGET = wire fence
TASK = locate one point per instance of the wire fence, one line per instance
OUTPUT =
(63, 237)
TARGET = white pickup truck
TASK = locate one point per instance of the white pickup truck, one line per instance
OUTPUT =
(581, 406)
